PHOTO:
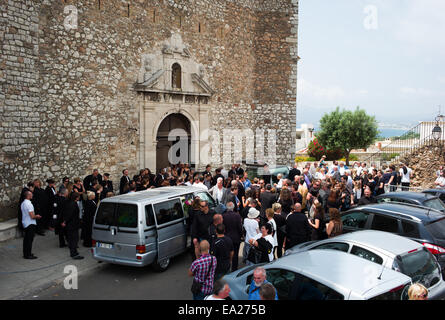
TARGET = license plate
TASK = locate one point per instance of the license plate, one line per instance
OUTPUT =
(104, 245)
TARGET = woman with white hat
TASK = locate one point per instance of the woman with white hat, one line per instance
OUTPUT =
(252, 228)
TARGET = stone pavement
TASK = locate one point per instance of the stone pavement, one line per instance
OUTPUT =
(20, 277)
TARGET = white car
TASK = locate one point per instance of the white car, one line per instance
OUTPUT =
(390, 251)
(324, 275)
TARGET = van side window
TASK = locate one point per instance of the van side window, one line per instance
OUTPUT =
(149, 216)
(127, 215)
(168, 211)
(105, 214)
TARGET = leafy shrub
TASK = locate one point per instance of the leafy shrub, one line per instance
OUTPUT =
(352, 157)
(304, 159)
(316, 150)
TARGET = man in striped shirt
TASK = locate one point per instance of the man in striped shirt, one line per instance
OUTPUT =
(203, 271)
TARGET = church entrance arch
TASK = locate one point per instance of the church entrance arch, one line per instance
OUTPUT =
(173, 141)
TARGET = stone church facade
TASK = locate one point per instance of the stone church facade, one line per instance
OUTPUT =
(101, 83)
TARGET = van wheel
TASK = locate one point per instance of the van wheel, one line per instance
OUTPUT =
(162, 265)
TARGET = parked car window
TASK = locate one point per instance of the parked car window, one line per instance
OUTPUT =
(442, 196)
(437, 228)
(435, 204)
(149, 216)
(355, 219)
(334, 246)
(410, 229)
(421, 266)
(399, 293)
(282, 281)
(305, 288)
(127, 215)
(380, 200)
(385, 224)
(105, 214)
(168, 211)
(366, 254)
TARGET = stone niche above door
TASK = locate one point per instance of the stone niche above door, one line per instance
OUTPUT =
(171, 81)
(172, 70)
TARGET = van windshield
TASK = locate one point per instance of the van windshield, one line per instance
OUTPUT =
(120, 215)
(421, 266)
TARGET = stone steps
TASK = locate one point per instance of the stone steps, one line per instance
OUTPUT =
(9, 230)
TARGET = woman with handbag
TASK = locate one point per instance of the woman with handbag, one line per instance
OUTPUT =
(262, 246)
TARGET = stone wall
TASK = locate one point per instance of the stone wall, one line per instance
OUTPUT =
(66, 95)
(424, 162)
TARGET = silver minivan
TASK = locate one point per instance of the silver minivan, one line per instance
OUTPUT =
(145, 228)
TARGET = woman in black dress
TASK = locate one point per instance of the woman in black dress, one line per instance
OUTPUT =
(318, 223)
(286, 201)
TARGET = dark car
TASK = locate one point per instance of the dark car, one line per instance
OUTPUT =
(436, 192)
(419, 224)
(257, 171)
(417, 198)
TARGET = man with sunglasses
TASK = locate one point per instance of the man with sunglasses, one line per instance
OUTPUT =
(201, 226)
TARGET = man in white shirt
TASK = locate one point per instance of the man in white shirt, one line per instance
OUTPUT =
(199, 182)
(29, 225)
(221, 290)
(342, 169)
(218, 190)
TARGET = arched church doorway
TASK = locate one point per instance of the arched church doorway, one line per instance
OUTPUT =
(178, 149)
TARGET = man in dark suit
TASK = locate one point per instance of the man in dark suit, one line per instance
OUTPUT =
(232, 196)
(294, 172)
(50, 192)
(40, 203)
(267, 199)
(71, 223)
(88, 181)
(124, 180)
(298, 229)
(107, 185)
(234, 230)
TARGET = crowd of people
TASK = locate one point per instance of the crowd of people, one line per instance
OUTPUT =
(263, 214)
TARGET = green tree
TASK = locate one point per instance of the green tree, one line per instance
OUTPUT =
(347, 130)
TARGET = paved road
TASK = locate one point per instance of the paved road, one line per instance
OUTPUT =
(110, 282)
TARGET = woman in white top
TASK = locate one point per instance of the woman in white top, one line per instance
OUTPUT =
(440, 181)
(269, 215)
(406, 174)
(252, 229)
(266, 234)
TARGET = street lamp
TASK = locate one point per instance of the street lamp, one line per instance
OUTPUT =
(437, 132)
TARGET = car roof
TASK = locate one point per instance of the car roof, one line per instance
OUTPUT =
(423, 214)
(409, 195)
(434, 191)
(386, 241)
(344, 270)
(154, 194)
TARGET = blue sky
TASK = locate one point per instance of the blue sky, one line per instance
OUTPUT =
(386, 56)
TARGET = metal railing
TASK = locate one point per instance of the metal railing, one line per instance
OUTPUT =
(409, 142)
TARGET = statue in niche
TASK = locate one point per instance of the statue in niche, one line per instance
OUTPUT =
(146, 69)
(201, 71)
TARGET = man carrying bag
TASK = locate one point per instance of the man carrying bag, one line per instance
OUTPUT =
(203, 272)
